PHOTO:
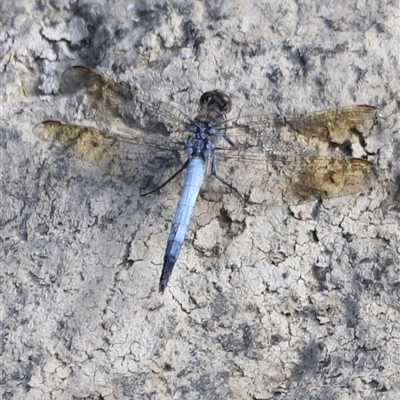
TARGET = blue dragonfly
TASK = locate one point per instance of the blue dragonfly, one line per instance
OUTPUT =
(261, 159)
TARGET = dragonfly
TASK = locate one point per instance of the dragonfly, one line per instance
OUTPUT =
(263, 159)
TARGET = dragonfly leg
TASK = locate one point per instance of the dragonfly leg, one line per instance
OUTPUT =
(229, 140)
(169, 179)
(222, 180)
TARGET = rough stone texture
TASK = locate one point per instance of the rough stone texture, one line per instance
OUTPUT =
(297, 303)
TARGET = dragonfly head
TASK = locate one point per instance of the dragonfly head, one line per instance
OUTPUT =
(216, 100)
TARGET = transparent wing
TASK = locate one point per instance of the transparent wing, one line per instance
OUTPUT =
(120, 154)
(118, 101)
(287, 160)
(273, 180)
(336, 125)
(275, 160)
(153, 148)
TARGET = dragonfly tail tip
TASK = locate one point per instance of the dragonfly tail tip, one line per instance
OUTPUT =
(162, 285)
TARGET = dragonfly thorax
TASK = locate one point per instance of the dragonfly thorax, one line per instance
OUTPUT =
(204, 129)
(201, 147)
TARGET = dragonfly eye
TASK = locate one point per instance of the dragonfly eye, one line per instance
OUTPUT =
(216, 98)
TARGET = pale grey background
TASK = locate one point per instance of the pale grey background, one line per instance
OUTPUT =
(299, 303)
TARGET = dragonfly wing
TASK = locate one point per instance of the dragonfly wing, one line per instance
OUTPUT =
(118, 101)
(286, 160)
(272, 180)
(119, 154)
(336, 125)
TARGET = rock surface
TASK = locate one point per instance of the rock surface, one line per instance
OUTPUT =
(296, 303)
